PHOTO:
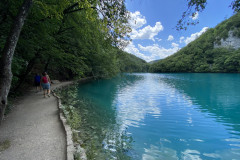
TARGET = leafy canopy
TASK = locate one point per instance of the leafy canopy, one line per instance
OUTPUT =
(195, 6)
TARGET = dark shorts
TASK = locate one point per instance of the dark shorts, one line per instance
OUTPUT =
(37, 84)
(46, 85)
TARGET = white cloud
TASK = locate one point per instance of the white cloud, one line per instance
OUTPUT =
(175, 45)
(151, 52)
(195, 35)
(131, 48)
(154, 51)
(170, 38)
(137, 20)
(195, 16)
(147, 32)
(158, 39)
(181, 39)
(157, 52)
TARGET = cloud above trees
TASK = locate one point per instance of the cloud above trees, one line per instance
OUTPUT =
(137, 21)
(142, 32)
(193, 36)
(150, 52)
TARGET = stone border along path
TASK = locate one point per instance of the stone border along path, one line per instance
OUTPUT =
(34, 130)
(70, 145)
(68, 131)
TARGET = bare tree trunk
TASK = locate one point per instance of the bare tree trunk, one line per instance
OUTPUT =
(7, 55)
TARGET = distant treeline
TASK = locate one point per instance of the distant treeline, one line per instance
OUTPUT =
(201, 56)
(131, 63)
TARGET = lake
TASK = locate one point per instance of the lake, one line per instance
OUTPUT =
(144, 116)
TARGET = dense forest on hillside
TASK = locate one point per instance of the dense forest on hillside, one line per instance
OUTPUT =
(68, 41)
(201, 56)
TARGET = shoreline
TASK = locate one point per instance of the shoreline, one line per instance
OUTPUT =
(72, 147)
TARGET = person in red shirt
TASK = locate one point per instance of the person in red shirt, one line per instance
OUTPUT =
(45, 83)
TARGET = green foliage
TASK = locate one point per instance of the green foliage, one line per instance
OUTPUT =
(130, 63)
(201, 56)
(221, 30)
(68, 38)
(18, 67)
(72, 116)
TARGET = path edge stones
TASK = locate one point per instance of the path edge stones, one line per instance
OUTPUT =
(68, 131)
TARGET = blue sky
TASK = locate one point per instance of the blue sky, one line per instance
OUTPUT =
(153, 25)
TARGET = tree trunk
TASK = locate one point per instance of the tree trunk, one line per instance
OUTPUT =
(47, 64)
(7, 55)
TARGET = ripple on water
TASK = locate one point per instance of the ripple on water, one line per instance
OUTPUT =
(170, 116)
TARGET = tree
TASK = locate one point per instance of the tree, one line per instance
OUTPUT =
(112, 23)
(7, 55)
(195, 6)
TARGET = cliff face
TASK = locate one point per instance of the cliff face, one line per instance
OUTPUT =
(230, 42)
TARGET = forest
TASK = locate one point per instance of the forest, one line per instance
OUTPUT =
(68, 42)
(201, 55)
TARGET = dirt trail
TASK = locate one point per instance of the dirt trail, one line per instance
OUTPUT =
(34, 129)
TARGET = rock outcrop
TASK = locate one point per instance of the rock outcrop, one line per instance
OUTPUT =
(230, 42)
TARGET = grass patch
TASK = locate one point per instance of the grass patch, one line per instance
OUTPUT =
(4, 145)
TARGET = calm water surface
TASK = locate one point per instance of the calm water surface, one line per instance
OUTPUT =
(163, 116)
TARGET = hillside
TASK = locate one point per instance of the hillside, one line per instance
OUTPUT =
(152, 62)
(130, 63)
(217, 50)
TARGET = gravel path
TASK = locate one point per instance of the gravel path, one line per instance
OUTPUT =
(34, 130)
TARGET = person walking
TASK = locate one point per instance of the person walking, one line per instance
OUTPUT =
(45, 83)
(37, 80)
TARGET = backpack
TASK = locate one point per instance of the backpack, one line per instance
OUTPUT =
(44, 79)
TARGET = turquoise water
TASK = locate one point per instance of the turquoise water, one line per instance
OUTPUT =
(162, 116)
